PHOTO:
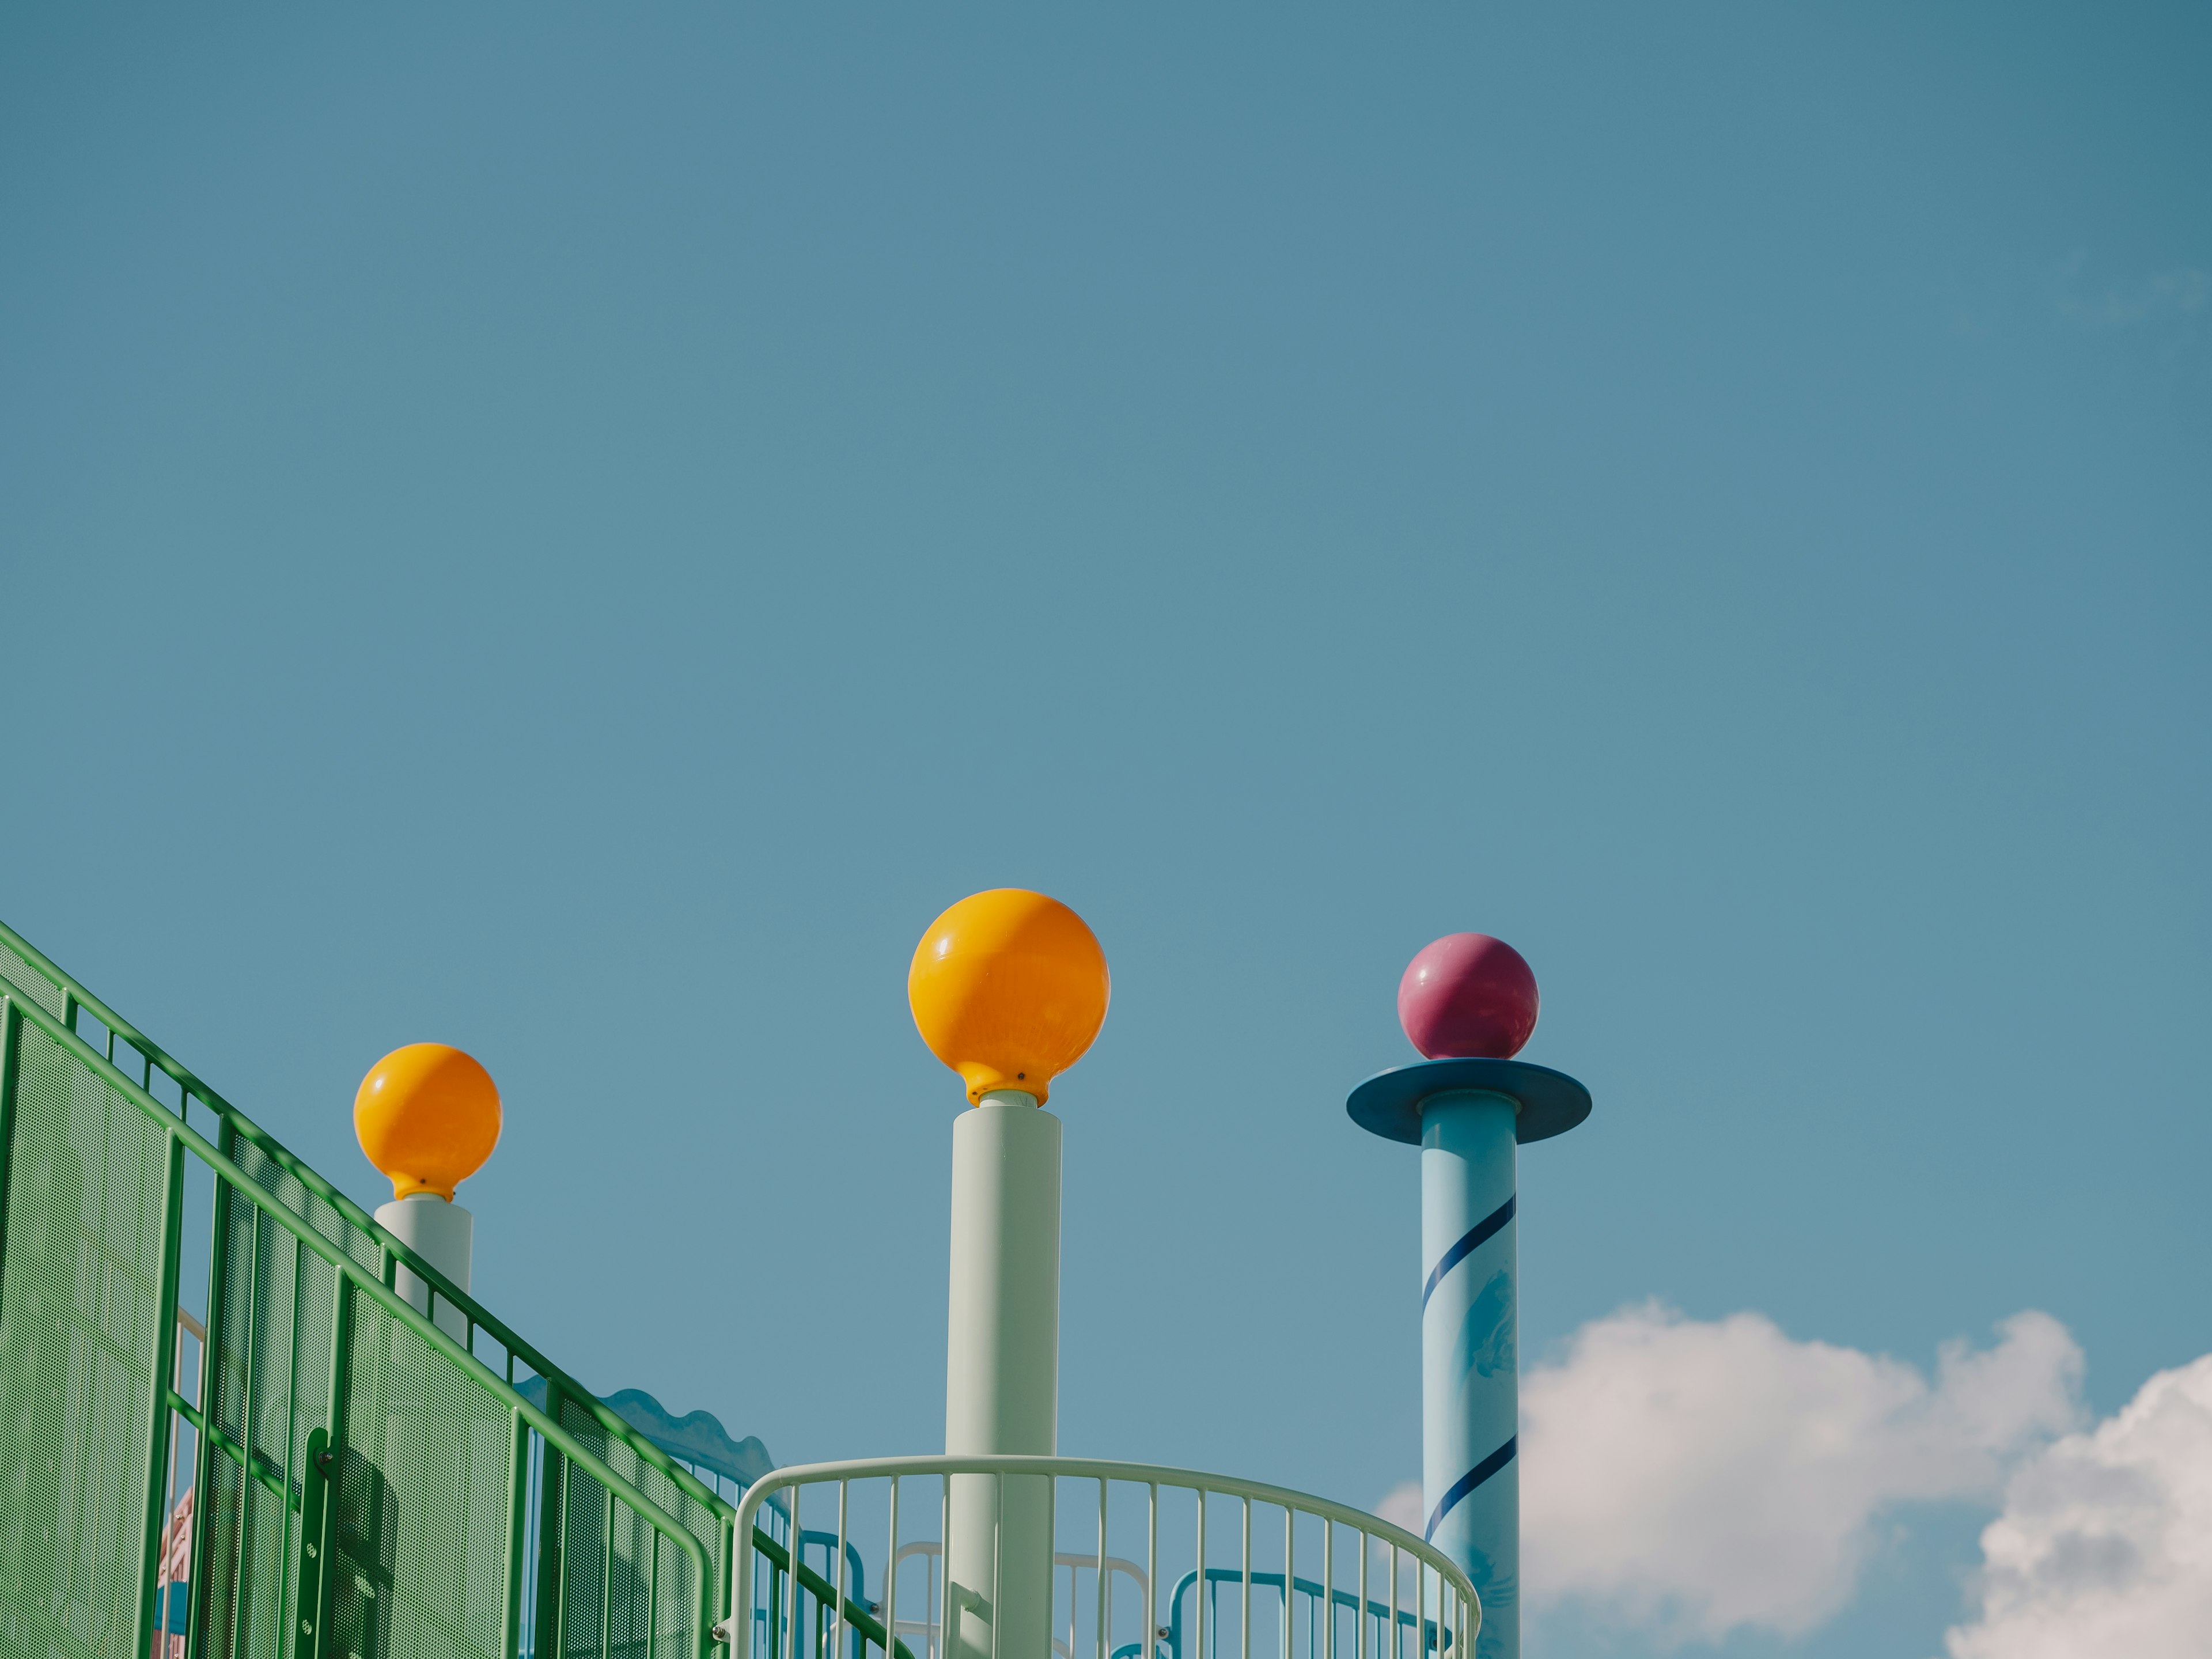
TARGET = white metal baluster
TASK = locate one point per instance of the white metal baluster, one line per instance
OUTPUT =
(998, 1560)
(1359, 1626)
(1327, 1590)
(1290, 1578)
(1051, 1566)
(1197, 1595)
(837, 1613)
(1099, 1588)
(791, 1602)
(890, 1590)
(1148, 1644)
(1244, 1636)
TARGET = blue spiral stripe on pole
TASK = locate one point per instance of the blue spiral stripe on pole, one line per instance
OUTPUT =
(1469, 1242)
(1468, 1482)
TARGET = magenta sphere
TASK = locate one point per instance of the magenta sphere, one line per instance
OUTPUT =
(1468, 996)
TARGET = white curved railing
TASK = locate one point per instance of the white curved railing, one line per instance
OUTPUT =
(1379, 1593)
(930, 1627)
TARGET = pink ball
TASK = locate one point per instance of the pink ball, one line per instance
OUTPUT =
(1468, 996)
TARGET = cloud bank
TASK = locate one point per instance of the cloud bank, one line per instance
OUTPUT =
(1698, 1477)
(2105, 1544)
(1693, 1479)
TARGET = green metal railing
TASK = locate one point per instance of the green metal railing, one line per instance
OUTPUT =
(364, 1478)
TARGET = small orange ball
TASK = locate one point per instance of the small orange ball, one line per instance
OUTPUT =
(428, 1115)
(1009, 989)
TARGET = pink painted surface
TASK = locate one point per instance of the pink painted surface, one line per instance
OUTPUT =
(1468, 996)
(175, 1569)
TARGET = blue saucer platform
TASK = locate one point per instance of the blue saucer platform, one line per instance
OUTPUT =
(1389, 1103)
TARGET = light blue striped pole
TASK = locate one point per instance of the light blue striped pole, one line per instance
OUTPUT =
(1470, 1381)
(1468, 1116)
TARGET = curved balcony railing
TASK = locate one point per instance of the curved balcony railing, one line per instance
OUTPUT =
(1252, 1571)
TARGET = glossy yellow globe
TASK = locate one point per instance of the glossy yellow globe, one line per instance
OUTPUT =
(428, 1115)
(1009, 989)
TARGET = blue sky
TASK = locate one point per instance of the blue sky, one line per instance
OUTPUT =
(576, 532)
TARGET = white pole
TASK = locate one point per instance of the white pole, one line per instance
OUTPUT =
(1002, 1373)
(443, 1234)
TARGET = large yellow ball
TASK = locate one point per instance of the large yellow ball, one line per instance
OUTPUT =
(428, 1115)
(1009, 989)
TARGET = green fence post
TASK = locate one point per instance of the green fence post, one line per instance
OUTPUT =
(244, 1557)
(518, 1530)
(150, 1621)
(314, 1509)
(315, 1524)
(11, 1038)
(552, 1493)
(606, 1570)
(199, 1597)
(285, 1614)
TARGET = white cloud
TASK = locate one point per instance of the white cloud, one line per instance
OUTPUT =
(1701, 1477)
(1402, 1504)
(2104, 1545)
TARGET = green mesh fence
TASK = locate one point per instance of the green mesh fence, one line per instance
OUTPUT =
(648, 1589)
(80, 1320)
(359, 1482)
